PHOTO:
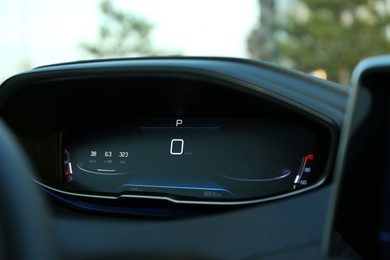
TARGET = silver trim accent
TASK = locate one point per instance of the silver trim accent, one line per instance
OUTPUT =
(195, 202)
(257, 180)
(103, 171)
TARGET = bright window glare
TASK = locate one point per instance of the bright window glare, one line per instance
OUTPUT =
(201, 27)
(40, 32)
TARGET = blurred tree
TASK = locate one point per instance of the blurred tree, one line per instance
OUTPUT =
(260, 35)
(332, 35)
(121, 34)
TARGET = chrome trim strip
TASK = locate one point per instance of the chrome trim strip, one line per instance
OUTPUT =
(226, 203)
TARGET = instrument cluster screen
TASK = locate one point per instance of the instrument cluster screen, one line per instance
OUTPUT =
(189, 159)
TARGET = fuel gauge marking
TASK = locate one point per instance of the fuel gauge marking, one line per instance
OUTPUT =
(68, 171)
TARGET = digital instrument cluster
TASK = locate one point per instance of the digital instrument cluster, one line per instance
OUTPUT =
(190, 159)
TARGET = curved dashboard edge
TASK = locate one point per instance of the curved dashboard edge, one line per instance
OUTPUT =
(182, 201)
(304, 91)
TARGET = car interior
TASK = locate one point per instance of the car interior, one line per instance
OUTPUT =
(194, 158)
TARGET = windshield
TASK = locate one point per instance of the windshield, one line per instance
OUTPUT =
(326, 38)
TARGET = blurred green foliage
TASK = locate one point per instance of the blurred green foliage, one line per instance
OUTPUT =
(121, 34)
(330, 34)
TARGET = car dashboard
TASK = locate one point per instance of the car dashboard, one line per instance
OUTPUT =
(165, 157)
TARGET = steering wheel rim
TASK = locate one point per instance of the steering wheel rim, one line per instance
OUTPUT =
(25, 226)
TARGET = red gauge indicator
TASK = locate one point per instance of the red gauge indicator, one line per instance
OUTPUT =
(304, 170)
